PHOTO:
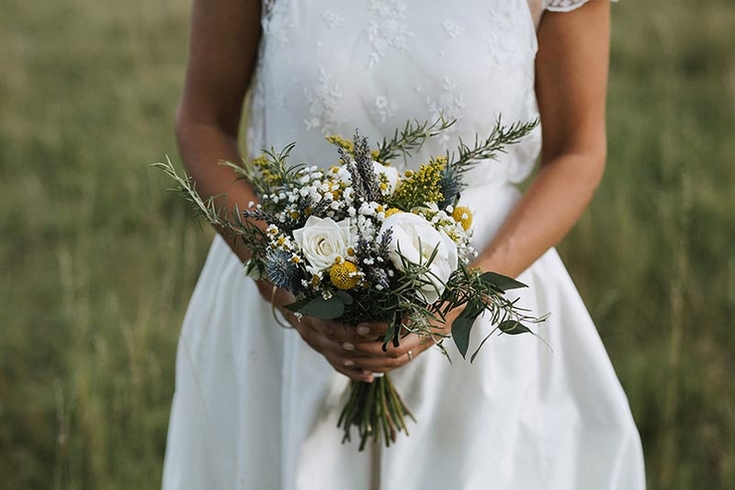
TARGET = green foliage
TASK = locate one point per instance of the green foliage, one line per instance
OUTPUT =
(270, 171)
(326, 309)
(484, 294)
(501, 282)
(480, 152)
(410, 139)
(98, 263)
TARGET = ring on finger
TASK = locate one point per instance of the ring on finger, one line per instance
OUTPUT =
(410, 355)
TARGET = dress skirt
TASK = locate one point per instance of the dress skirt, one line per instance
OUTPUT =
(256, 408)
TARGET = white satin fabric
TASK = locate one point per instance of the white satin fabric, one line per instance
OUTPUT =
(256, 408)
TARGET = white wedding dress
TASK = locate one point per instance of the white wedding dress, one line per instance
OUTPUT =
(256, 408)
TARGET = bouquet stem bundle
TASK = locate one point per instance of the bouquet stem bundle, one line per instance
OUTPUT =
(376, 410)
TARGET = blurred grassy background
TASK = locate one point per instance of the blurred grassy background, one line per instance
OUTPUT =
(98, 262)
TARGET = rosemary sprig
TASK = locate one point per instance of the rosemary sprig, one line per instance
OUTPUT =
(411, 138)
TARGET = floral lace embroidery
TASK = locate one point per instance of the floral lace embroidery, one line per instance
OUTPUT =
(276, 22)
(386, 109)
(323, 104)
(449, 104)
(332, 19)
(504, 44)
(452, 30)
(390, 31)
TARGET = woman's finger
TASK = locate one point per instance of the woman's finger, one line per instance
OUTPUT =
(375, 349)
(340, 332)
(379, 361)
(378, 365)
(349, 369)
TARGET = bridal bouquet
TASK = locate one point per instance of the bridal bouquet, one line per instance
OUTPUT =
(360, 241)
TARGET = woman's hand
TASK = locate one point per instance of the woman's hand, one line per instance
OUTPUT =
(357, 352)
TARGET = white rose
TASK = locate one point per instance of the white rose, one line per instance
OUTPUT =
(323, 240)
(416, 239)
(390, 173)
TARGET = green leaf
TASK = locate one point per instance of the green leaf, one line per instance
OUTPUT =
(461, 328)
(474, 308)
(344, 297)
(297, 305)
(324, 309)
(504, 283)
(513, 327)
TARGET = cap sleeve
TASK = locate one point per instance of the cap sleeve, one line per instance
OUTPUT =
(564, 5)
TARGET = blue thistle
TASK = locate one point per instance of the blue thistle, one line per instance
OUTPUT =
(451, 185)
(281, 271)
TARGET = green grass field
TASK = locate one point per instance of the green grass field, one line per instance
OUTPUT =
(98, 261)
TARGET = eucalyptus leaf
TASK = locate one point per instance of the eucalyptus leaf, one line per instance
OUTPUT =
(504, 283)
(297, 305)
(344, 296)
(473, 309)
(513, 327)
(324, 309)
(461, 329)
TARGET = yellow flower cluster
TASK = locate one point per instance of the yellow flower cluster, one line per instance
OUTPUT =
(263, 165)
(344, 143)
(343, 274)
(348, 145)
(421, 186)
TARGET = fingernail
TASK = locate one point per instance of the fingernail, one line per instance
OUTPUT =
(348, 363)
(363, 330)
(348, 346)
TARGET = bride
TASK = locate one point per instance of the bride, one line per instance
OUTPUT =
(256, 405)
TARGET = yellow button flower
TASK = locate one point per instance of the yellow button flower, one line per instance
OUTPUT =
(463, 216)
(343, 274)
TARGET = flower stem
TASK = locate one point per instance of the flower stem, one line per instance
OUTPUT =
(375, 410)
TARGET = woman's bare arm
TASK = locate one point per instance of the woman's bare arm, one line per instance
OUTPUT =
(571, 83)
(223, 51)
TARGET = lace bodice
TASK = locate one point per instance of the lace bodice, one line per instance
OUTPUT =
(330, 66)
